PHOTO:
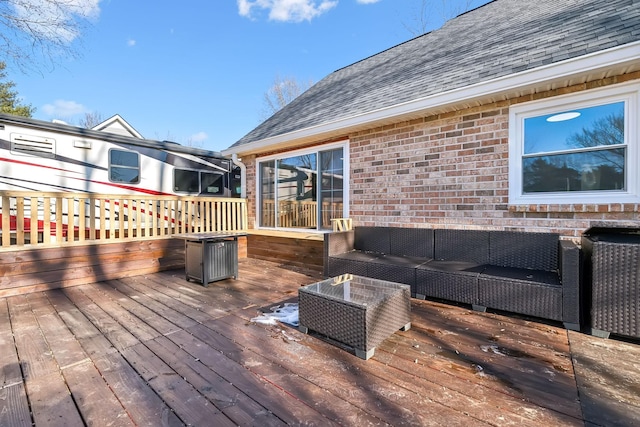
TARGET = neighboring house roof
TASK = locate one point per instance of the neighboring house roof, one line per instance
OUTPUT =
(119, 126)
(504, 48)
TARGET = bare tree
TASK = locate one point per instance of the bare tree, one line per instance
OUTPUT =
(429, 13)
(282, 92)
(33, 31)
(90, 120)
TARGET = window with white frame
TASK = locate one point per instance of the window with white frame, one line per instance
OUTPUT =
(303, 189)
(580, 148)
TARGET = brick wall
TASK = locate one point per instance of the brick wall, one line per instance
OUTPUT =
(451, 170)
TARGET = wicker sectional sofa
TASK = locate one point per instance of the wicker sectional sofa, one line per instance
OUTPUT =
(535, 274)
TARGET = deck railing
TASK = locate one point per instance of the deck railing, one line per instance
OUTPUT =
(299, 214)
(34, 218)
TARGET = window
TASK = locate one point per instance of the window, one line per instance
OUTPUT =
(211, 183)
(193, 181)
(302, 190)
(124, 166)
(186, 181)
(577, 149)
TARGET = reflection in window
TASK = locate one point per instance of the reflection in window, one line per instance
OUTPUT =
(331, 187)
(186, 181)
(193, 181)
(597, 170)
(267, 194)
(296, 192)
(292, 195)
(124, 166)
(211, 183)
(578, 150)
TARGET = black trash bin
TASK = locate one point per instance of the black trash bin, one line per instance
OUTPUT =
(612, 280)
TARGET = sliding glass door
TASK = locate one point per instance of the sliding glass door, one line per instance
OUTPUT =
(302, 191)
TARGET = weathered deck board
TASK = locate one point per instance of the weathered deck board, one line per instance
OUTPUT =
(521, 370)
(14, 408)
(334, 375)
(118, 337)
(609, 380)
(225, 395)
(463, 403)
(143, 405)
(188, 404)
(157, 350)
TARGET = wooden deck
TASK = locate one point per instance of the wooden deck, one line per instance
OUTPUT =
(157, 350)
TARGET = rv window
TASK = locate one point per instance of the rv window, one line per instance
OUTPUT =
(124, 166)
(211, 183)
(186, 181)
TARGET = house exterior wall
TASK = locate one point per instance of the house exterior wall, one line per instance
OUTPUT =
(452, 170)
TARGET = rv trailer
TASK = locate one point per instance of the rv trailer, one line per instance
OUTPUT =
(46, 158)
(52, 157)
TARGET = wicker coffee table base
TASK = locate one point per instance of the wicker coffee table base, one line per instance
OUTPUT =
(361, 326)
(362, 354)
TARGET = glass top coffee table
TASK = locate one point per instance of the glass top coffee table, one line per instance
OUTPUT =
(360, 312)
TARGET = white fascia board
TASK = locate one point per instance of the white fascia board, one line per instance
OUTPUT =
(576, 66)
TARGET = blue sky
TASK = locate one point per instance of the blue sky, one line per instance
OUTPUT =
(196, 72)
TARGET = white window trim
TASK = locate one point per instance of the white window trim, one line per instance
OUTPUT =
(301, 152)
(627, 92)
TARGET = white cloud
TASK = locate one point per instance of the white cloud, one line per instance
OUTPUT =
(64, 109)
(287, 10)
(56, 20)
(131, 42)
(199, 137)
(367, 1)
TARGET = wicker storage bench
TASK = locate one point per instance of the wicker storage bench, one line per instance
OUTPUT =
(535, 274)
(612, 264)
(360, 312)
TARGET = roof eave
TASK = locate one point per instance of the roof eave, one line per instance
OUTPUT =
(617, 60)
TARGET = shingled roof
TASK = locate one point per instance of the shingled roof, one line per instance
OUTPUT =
(501, 38)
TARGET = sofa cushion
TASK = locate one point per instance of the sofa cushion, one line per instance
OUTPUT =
(523, 275)
(458, 267)
(536, 251)
(401, 261)
(413, 242)
(354, 262)
(395, 268)
(372, 239)
(462, 245)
